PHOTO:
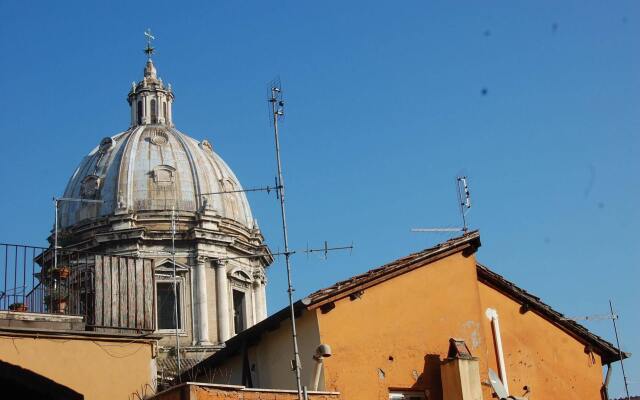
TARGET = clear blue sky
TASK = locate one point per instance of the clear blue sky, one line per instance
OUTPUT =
(385, 107)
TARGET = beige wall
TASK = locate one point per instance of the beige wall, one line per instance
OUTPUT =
(272, 357)
(540, 355)
(98, 369)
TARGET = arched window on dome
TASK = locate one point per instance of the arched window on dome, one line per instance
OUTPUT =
(164, 111)
(154, 111)
(139, 112)
(229, 199)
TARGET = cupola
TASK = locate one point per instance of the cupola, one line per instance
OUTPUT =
(149, 99)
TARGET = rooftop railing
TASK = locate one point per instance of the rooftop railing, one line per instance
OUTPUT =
(110, 292)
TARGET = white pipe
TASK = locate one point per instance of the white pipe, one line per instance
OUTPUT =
(493, 316)
(316, 373)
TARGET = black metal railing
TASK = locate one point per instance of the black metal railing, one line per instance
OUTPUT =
(108, 291)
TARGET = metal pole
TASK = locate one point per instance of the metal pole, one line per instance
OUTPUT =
(175, 286)
(615, 329)
(55, 236)
(287, 254)
(461, 201)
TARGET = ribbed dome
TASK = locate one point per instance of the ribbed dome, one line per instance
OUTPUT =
(150, 168)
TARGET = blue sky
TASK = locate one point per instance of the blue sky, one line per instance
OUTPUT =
(385, 106)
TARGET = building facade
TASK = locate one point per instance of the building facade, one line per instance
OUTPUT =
(390, 331)
(154, 192)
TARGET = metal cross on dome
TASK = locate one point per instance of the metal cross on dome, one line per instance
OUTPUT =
(150, 49)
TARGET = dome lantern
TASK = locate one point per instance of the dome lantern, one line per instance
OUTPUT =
(150, 101)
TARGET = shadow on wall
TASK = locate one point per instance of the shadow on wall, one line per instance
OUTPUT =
(19, 383)
(430, 380)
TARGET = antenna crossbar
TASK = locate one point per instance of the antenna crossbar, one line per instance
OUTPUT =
(437, 229)
(596, 317)
(326, 249)
(267, 189)
(464, 204)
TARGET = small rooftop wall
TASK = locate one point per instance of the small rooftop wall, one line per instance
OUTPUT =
(203, 391)
(98, 366)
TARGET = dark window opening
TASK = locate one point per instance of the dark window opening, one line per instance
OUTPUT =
(154, 112)
(166, 306)
(139, 112)
(238, 311)
(164, 111)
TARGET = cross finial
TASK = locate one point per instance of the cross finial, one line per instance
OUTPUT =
(149, 49)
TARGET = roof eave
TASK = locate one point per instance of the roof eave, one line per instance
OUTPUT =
(470, 241)
(607, 351)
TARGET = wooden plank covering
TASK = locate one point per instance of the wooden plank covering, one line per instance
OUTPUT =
(122, 303)
(131, 293)
(115, 292)
(149, 294)
(124, 297)
(98, 284)
(106, 290)
(139, 294)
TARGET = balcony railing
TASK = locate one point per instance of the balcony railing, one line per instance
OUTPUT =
(110, 292)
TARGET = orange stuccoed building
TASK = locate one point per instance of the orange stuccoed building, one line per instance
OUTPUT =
(389, 334)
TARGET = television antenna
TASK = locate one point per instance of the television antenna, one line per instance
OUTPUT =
(276, 101)
(324, 249)
(464, 205)
(613, 317)
(277, 110)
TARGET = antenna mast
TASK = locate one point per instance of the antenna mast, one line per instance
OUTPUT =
(613, 317)
(464, 199)
(277, 110)
(464, 203)
(615, 329)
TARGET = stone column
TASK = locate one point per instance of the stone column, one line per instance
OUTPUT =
(222, 300)
(259, 295)
(200, 302)
(134, 106)
(147, 109)
(161, 116)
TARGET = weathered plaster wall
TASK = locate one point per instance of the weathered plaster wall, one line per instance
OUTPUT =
(98, 369)
(397, 333)
(272, 357)
(540, 355)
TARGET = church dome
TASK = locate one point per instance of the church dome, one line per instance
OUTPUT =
(152, 167)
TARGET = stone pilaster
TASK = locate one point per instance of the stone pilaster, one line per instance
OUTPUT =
(259, 295)
(222, 300)
(200, 303)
